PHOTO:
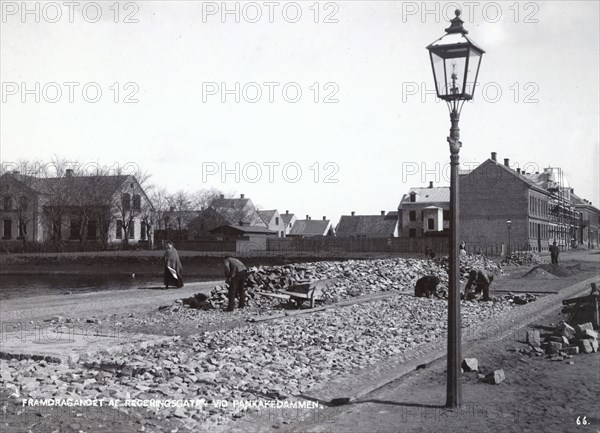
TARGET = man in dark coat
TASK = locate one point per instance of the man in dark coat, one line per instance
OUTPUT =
(482, 281)
(173, 267)
(235, 277)
(426, 286)
(554, 250)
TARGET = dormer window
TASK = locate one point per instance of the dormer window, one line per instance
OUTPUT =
(413, 197)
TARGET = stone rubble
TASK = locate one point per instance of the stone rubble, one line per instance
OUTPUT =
(352, 278)
(265, 360)
(564, 341)
(522, 258)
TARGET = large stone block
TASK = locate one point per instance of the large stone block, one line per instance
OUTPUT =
(586, 346)
(470, 364)
(495, 377)
(571, 350)
(533, 338)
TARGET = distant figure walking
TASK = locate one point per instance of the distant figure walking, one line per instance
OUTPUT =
(173, 267)
(235, 277)
(482, 281)
(461, 249)
(554, 251)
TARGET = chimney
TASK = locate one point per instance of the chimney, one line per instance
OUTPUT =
(519, 170)
(430, 184)
(507, 162)
(222, 196)
(324, 218)
(287, 212)
(307, 217)
(352, 213)
(494, 154)
(382, 213)
(241, 196)
(537, 172)
(69, 172)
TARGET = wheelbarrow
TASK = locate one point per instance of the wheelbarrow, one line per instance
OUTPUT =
(303, 291)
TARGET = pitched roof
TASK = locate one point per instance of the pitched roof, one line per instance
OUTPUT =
(428, 195)
(74, 190)
(235, 209)
(244, 229)
(373, 225)
(266, 215)
(310, 228)
(286, 217)
(531, 181)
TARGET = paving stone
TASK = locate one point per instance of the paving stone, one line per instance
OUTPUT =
(495, 377)
(533, 338)
(470, 364)
(586, 346)
(571, 350)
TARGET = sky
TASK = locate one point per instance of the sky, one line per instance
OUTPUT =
(319, 108)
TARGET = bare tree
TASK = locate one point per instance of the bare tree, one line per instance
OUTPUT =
(181, 211)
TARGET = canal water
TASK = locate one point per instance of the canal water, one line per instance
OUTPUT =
(23, 285)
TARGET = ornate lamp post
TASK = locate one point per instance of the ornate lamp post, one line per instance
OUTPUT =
(508, 224)
(455, 60)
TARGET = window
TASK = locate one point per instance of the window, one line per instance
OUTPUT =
(7, 234)
(74, 229)
(276, 221)
(8, 202)
(413, 197)
(23, 203)
(91, 230)
(446, 215)
(126, 201)
(137, 202)
(412, 215)
(22, 228)
(143, 231)
(119, 233)
(131, 229)
(412, 233)
(430, 224)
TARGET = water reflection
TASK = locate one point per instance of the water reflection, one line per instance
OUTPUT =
(21, 286)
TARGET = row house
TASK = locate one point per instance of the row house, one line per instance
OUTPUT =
(540, 206)
(106, 209)
(309, 228)
(273, 221)
(424, 212)
(289, 219)
(384, 225)
(589, 233)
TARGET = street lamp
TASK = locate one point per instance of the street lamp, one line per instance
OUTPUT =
(455, 60)
(508, 224)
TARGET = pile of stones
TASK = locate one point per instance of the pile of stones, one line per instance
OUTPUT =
(521, 299)
(522, 258)
(352, 278)
(564, 342)
(471, 261)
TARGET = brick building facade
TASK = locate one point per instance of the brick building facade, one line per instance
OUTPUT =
(541, 208)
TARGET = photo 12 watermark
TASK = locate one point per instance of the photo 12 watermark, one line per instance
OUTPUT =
(269, 171)
(490, 92)
(270, 12)
(270, 92)
(69, 92)
(69, 12)
(437, 172)
(471, 11)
